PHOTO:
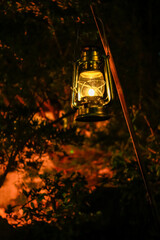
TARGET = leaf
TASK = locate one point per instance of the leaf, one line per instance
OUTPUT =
(9, 209)
(32, 205)
(25, 193)
(41, 197)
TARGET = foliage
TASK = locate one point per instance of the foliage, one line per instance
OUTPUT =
(55, 201)
(38, 42)
(62, 202)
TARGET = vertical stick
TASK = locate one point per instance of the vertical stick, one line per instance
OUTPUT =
(128, 121)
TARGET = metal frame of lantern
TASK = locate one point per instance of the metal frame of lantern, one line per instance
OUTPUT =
(92, 90)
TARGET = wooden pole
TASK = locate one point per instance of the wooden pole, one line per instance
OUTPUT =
(128, 121)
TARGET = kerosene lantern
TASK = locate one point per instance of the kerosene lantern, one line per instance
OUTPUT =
(92, 86)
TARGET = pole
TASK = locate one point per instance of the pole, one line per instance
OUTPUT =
(128, 121)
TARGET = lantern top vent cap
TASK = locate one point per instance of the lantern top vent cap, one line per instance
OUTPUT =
(91, 53)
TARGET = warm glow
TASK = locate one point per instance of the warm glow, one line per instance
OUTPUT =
(91, 83)
(92, 75)
(91, 92)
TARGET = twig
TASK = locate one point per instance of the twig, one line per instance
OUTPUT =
(149, 125)
(71, 112)
(54, 34)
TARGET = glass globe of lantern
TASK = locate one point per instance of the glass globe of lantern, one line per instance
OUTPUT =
(92, 86)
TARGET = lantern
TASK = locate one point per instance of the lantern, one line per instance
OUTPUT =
(92, 86)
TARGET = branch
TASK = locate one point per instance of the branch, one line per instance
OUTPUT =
(9, 167)
(54, 34)
(71, 112)
(149, 125)
(13, 157)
